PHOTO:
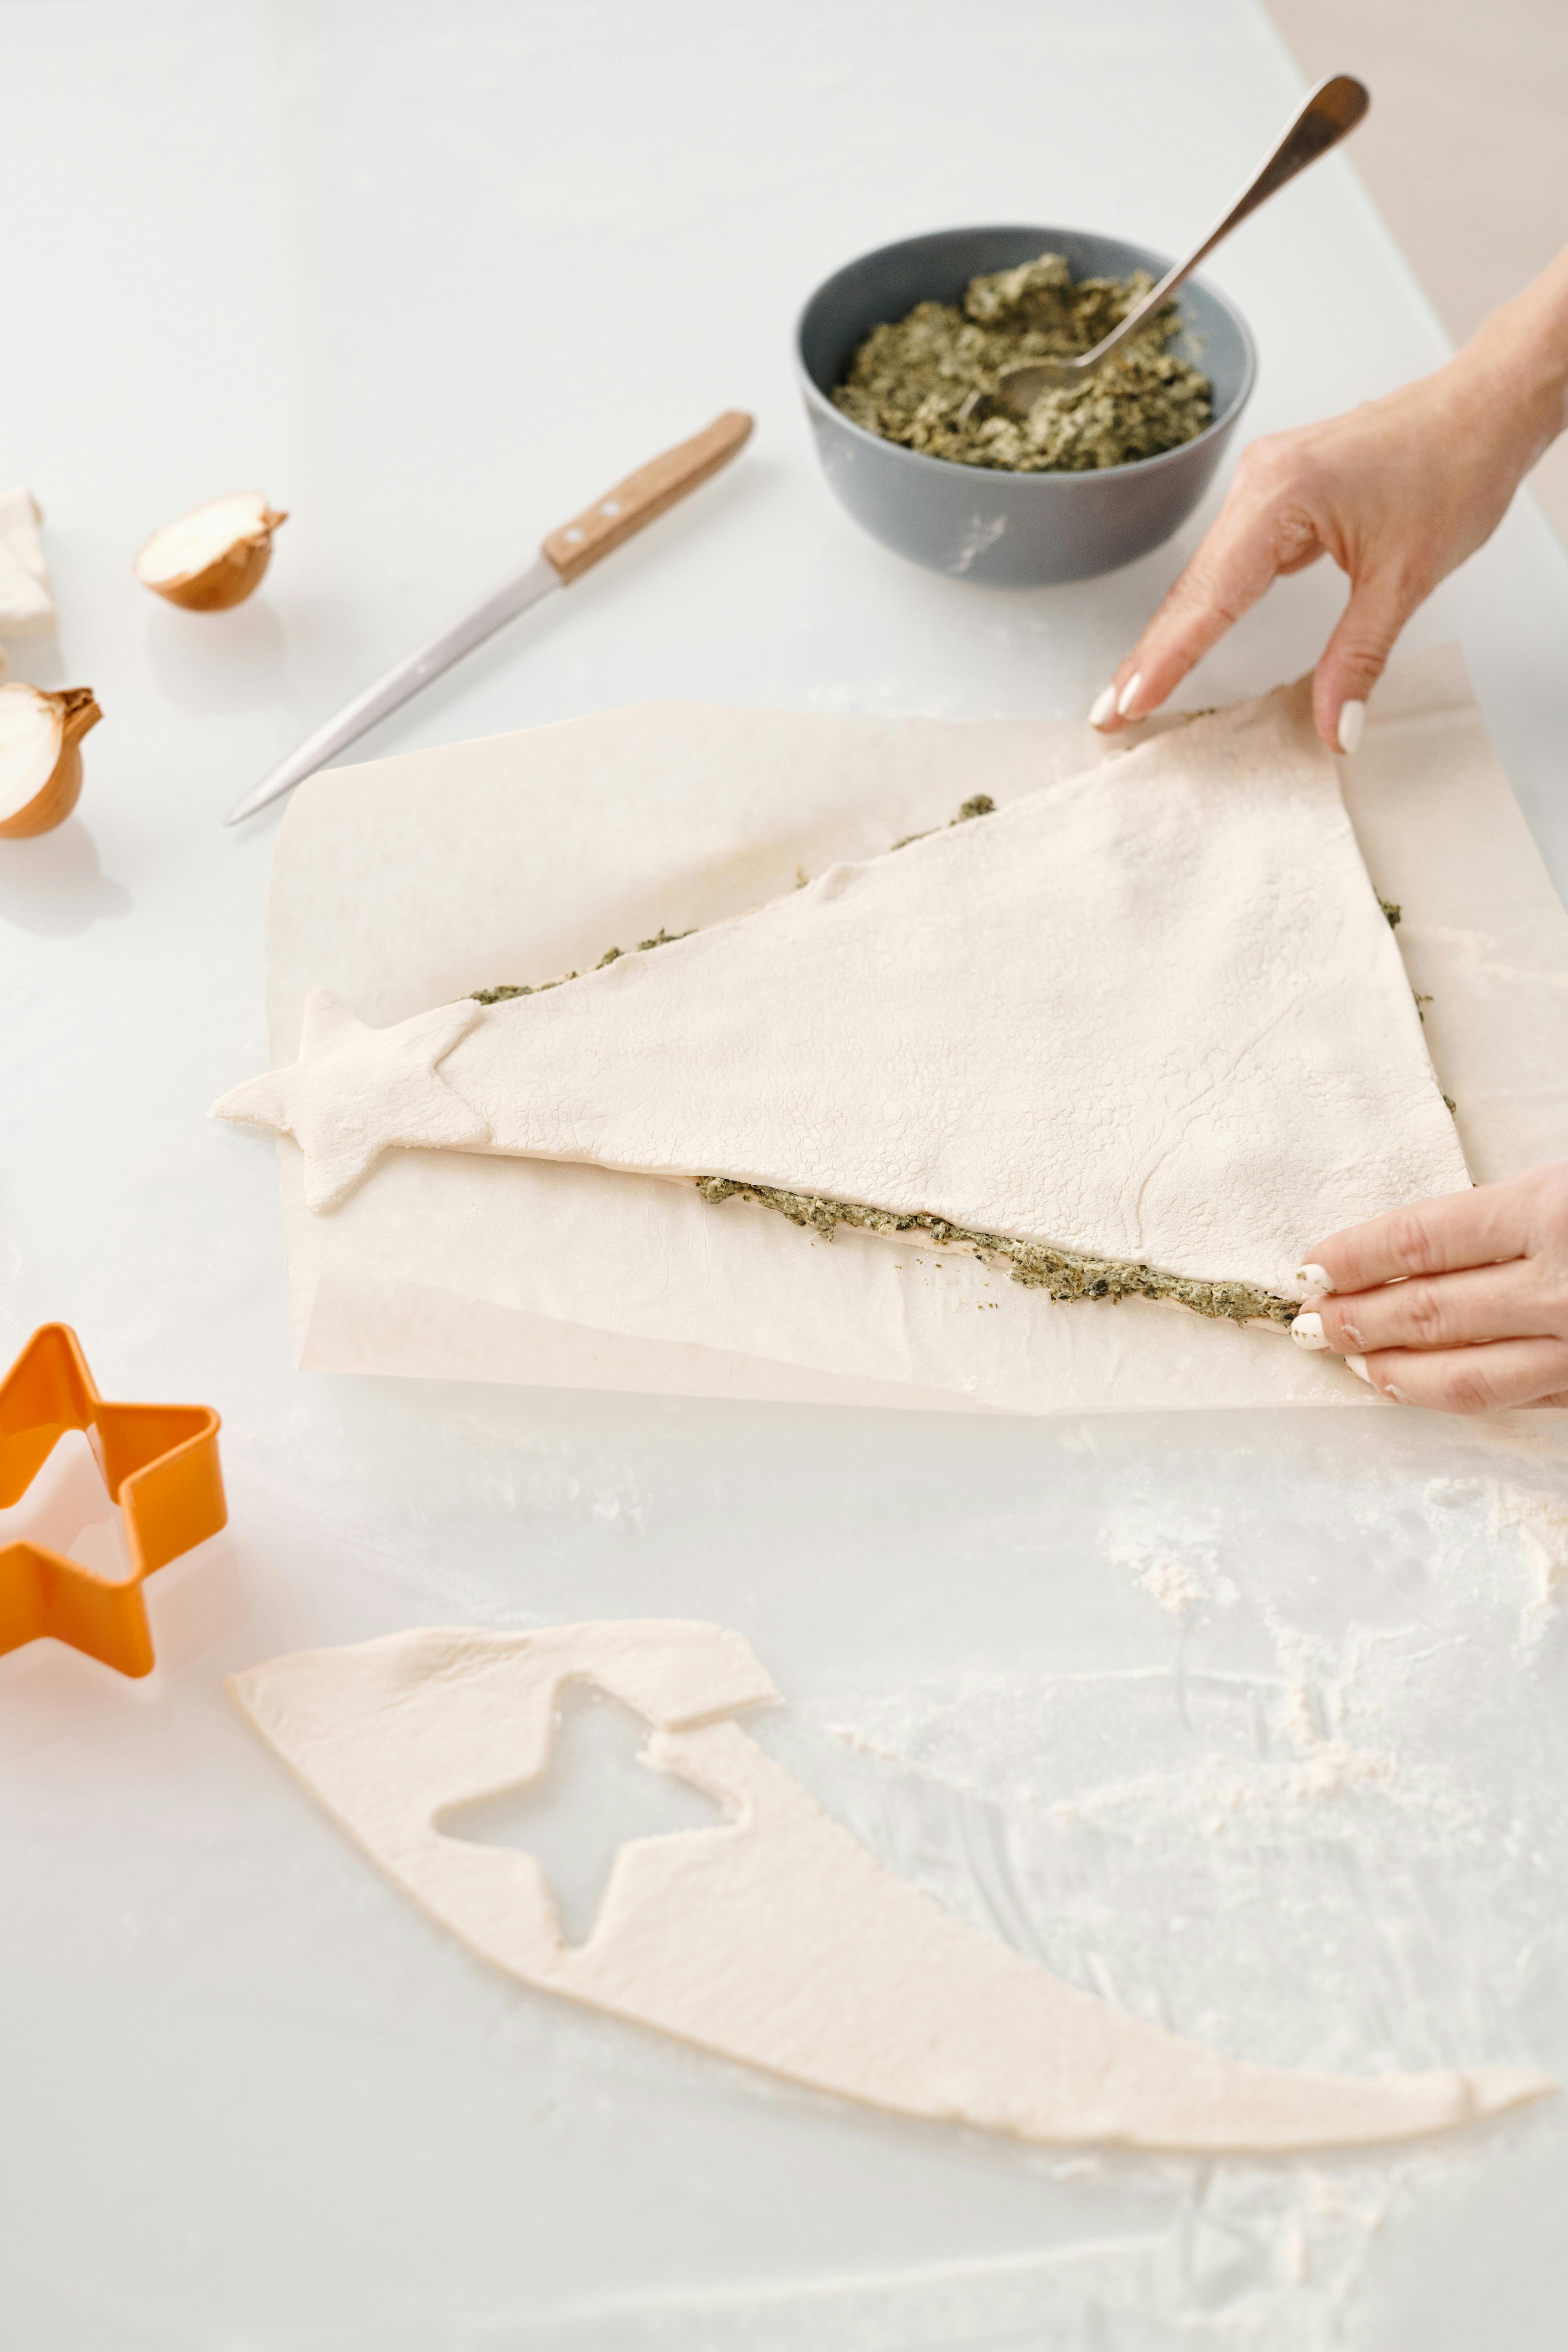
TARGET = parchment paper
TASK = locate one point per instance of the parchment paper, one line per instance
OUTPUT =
(403, 883)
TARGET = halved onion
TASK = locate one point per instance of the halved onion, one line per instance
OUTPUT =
(40, 766)
(212, 556)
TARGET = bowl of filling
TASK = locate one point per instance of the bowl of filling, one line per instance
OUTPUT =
(892, 347)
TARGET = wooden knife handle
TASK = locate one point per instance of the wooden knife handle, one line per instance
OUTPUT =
(622, 512)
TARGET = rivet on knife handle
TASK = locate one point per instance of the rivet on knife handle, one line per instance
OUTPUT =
(613, 519)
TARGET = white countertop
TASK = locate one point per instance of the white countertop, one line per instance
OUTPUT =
(432, 276)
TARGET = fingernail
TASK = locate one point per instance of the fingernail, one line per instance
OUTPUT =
(1357, 1366)
(1308, 1332)
(1352, 719)
(1129, 694)
(1314, 1281)
(1102, 707)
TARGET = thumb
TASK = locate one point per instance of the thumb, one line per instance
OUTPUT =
(1355, 656)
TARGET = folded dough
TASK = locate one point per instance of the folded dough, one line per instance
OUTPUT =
(1152, 1014)
(774, 1939)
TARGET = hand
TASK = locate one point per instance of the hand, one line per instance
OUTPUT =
(1460, 1303)
(1399, 492)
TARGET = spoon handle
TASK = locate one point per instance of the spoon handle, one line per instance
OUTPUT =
(1335, 107)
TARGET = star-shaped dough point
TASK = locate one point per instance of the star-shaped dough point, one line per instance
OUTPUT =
(356, 1092)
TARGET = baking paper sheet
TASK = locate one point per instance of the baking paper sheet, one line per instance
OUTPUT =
(403, 883)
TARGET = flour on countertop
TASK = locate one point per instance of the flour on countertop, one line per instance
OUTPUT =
(1167, 1580)
(1274, 1833)
(1540, 1522)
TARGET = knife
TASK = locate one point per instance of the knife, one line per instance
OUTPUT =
(564, 556)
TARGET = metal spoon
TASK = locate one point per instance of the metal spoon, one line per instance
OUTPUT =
(1335, 107)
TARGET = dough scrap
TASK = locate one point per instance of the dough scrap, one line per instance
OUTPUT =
(1152, 1014)
(774, 1939)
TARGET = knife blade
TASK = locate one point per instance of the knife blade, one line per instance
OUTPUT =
(564, 554)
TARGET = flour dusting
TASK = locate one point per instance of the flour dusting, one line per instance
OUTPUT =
(1271, 1834)
(1540, 1523)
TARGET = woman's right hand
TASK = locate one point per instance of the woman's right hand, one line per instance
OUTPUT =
(1459, 1303)
(1399, 492)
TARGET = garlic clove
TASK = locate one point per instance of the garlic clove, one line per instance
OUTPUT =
(212, 556)
(40, 765)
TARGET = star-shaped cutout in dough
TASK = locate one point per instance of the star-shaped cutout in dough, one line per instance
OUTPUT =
(597, 1795)
(355, 1092)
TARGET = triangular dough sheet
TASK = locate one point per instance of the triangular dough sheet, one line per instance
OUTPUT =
(1154, 1014)
(774, 1939)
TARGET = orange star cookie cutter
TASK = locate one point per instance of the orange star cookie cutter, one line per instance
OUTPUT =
(160, 1464)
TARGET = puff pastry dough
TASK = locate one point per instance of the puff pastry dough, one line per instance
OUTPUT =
(774, 1939)
(1154, 1013)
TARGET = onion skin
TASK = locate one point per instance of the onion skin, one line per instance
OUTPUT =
(229, 581)
(60, 793)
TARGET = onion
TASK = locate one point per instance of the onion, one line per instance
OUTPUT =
(212, 556)
(40, 765)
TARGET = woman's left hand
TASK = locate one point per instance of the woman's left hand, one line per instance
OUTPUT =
(1459, 1304)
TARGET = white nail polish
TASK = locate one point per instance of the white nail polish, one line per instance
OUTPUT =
(1129, 694)
(1102, 707)
(1357, 1366)
(1308, 1332)
(1352, 719)
(1314, 1281)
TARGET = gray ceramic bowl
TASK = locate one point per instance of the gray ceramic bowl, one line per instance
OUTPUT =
(1010, 530)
